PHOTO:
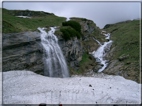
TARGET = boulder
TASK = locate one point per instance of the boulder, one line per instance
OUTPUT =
(123, 57)
(97, 67)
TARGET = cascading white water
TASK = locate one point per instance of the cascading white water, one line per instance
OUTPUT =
(97, 41)
(107, 36)
(101, 52)
(68, 18)
(54, 62)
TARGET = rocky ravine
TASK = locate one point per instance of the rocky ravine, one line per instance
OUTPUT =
(76, 49)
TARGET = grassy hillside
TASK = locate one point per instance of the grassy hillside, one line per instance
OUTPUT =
(11, 23)
(126, 37)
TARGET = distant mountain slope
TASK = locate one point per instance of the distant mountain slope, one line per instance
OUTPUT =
(11, 23)
(125, 52)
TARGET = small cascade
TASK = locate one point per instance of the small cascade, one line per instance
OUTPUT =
(101, 52)
(68, 18)
(54, 61)
(107, 36)
(97, 41)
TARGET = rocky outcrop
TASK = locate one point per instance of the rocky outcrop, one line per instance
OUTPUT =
(78, 51)
(22, 51)
(129, 70)
(72, 50)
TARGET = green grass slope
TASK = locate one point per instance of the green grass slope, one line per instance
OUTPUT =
(126, 37)
(11, 23)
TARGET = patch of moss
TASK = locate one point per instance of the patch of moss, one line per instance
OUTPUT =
(85, 58)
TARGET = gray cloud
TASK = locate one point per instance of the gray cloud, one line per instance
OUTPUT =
(101, 13)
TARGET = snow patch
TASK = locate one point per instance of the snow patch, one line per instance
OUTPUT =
(26, 87)
(23, 16)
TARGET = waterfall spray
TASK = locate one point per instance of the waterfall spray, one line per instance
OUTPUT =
(54, 61)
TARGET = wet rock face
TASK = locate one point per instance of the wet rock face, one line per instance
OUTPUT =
(72, 50)
(22, 51)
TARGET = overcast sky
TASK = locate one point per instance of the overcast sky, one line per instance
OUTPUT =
(101, 13)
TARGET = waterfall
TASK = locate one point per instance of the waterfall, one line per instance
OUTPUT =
(101, 52)
(68, 18)
(54, 61)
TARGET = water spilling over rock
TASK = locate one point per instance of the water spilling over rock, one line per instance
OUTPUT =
(101, 52)
(54, 62)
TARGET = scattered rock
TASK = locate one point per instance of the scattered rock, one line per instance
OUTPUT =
(123, 57)
(98, 60)
(95, 69)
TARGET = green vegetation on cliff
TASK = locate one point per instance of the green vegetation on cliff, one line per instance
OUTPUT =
(70, 29)
(75, 25)
(85, 65)
(126, 44)
(12, 24)
(69, 32)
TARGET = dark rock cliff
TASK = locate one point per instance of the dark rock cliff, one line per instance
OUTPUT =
(22, 51)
